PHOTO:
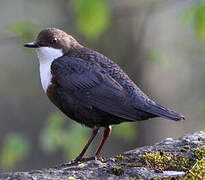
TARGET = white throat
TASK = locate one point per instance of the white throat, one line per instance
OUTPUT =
(46, 56)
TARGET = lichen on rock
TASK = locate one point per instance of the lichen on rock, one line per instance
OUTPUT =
(183, 158)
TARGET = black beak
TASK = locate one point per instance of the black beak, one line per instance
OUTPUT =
(33, 44)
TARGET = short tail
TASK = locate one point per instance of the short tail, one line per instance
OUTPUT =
(165, 113)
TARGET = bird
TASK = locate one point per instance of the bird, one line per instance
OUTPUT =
(90, 88)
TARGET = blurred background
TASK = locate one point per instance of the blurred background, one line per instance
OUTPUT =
(159, 44)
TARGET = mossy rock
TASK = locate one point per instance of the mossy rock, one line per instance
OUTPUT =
(183, 158)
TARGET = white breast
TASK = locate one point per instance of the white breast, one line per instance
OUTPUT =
(46, 56)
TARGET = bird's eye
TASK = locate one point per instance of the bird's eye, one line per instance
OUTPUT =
(54, 40)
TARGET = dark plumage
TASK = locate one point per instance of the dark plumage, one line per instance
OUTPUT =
(100, 89)
(93, 90)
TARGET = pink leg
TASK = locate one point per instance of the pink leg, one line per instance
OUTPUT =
(94, 133)
(107, 131)
(80, 156)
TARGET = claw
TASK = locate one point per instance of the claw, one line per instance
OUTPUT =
(78, 160)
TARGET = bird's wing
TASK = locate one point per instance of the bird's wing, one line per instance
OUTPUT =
(93, 86)
(142, 104)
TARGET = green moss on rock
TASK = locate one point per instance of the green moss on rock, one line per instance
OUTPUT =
(186, 148)
(198, 169)
(200, 153)
(134, 164)
(117, 170)
(120, 158)
(155, 178)
(165, 161)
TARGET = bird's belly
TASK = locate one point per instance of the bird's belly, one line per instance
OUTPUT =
(64, 103)
(78, 111)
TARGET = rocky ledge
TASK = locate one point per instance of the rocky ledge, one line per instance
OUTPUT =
(183, 158)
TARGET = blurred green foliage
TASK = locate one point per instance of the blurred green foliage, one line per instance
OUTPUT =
(155, 57)
(125, 131)
(56, 135)
(92, 16)
(15, 149)
(24, 30)
(196, 14)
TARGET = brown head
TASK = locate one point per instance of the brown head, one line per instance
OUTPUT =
(50, 45)
(54, 38)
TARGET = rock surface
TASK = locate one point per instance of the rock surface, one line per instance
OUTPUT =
(123, 167)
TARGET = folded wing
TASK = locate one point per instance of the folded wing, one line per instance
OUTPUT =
(88, 82)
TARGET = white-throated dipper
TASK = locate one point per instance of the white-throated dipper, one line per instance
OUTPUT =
(90, 88)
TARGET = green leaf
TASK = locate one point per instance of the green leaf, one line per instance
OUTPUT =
(126, 131)
(56, 120)
(75, 138)
(56, 136)
(24, 30)
(15, 149)
(51, 135)
(199, 22)
(155, 57)
(196, 12)
(92, 16)
(189, 13)
(50, 140)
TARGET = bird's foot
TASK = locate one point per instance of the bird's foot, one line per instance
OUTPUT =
(62, 165)
(96, 157)
(79, 160)
(100, 158)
